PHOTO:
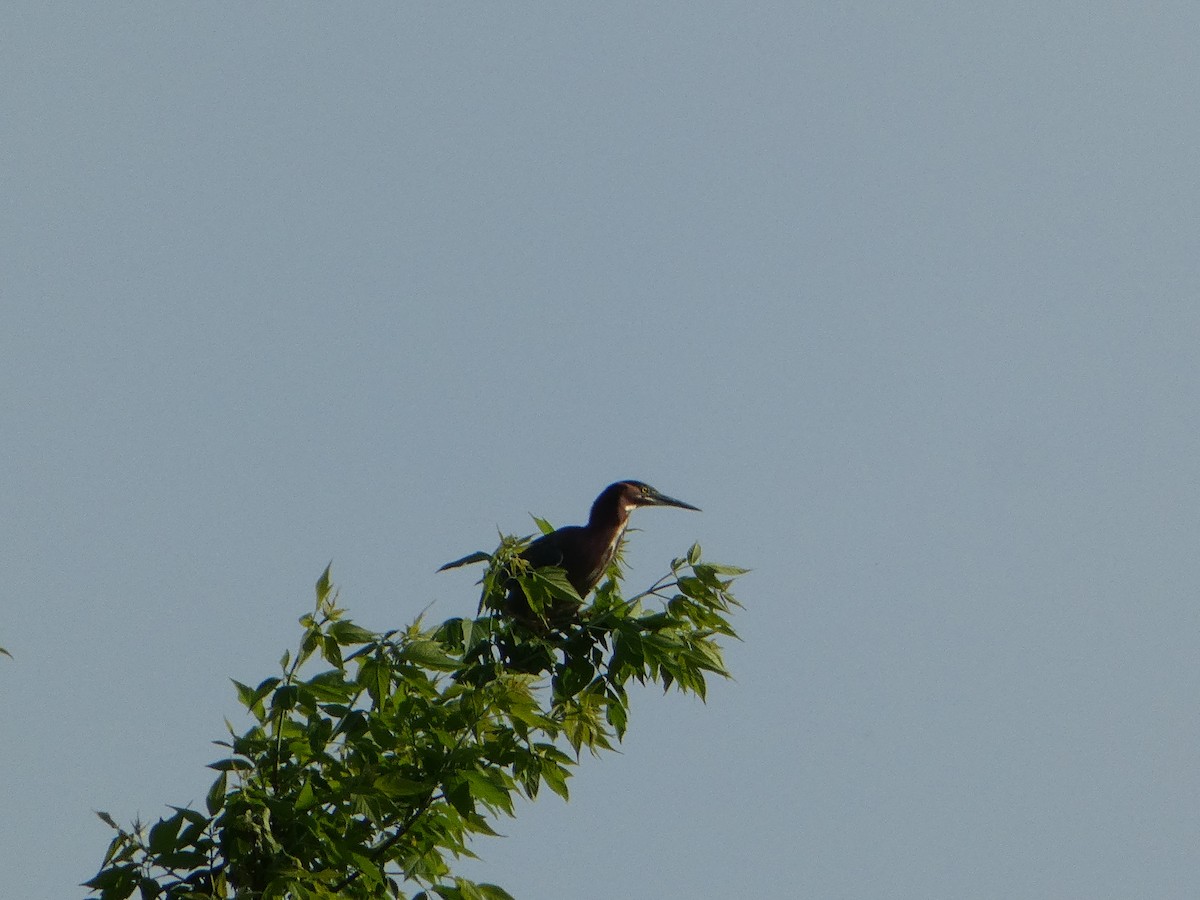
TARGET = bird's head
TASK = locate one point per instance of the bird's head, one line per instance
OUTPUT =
(639, 493)
(632, 494)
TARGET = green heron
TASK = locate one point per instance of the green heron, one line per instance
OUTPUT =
(584, 552)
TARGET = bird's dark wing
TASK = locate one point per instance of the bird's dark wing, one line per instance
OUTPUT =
(549, 549)
(559, 548)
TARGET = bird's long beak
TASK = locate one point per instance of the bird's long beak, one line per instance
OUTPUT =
(657, 499)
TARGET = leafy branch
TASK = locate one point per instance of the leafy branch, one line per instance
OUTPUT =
(369, 777)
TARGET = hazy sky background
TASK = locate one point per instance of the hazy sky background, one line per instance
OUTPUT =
(905, 296)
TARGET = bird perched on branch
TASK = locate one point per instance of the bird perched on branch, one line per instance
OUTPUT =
(584, 552)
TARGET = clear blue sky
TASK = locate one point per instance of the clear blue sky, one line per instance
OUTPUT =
(906, 297)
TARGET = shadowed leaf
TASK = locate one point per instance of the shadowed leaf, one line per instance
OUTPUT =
(470, 559)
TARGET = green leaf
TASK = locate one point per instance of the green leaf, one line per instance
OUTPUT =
(116, 882)
(6, 653)
(216, 794)
(367, 869)
(723, 570)
(245, 694)
(107, 820)
(190, 815)
(430, 655)
(398, 786)
(555, 777)
(543, 526)
(479, 825)
(470, 559)
(459, 795)
(162, 835)
(186, 859)
(555, 581)
(251, 698)
(483, 788)
(574, 677)
(468, 889)
(309, 643)
(330, 686)
(617, 716)
(348, 633)
(323, 584)
(331, 651)
(306, 799)
(232, 765)
(469, 635)
(285, 698)
(190, 836)
(374, 677)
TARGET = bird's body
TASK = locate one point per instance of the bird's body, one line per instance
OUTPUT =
(585, 552)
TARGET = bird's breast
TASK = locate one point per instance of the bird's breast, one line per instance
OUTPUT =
(605, 557)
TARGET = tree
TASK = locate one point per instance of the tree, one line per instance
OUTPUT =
(367, 778)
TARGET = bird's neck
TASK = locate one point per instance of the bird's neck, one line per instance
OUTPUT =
(607, 532)
(608, 518)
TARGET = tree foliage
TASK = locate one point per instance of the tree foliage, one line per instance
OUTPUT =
(367, 778)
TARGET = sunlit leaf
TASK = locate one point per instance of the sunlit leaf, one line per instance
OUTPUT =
(349, 633)
(246, 695)
(724, 570)
(486, 790)
(323, 584)
(555, 582)
(556, 779)
(493, 892)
